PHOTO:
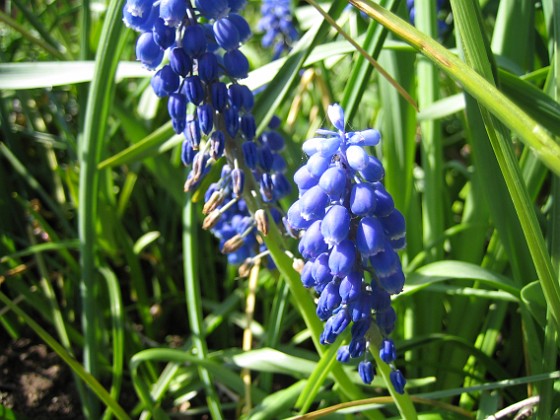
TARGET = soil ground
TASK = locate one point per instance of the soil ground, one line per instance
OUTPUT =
(35, 383)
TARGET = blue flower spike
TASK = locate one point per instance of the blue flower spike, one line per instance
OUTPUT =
(350, 232)
(207, 104)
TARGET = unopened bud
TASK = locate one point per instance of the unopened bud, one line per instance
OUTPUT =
(233, 244)
(237, 181)
(245, 268)
(213, 202)
(261, 219)
(298, 265)
(190, 183)
(210, 221)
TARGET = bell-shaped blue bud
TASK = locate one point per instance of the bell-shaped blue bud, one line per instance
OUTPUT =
(351, 287)
(192, 132)
(304, 180)
(193, 89)
(313, 203)
(226, 34)
(194, 40)
(385, 203)
(236, 64)
(217, 144)
(393, 283)
(235, 6)
(398, 381)
(370, 137)
(357, 157)
(317, 165)
(279, 163)
(386, 320)
(357, 347)
(180, 61)
(172, 11)
(248, 127)
(265, 158)
(328, 336)
(243, 28)
(250, 153)
(336, 224)
(232, 121)
(312, 243)
(235, 95)
(273, 140)
(311, 146)
(237, 181)
(360, 327)
(324, 146)
(179, 124)
(208, 67)
(333, 182)
(164, 35)
(394, 225)
(139, 8)
(212, 9)
(306, 278)
(387, 351)
(385, 262)
(147, 51)
(343, 354)
(381, 300)
(328, 301)
(266, 187)
(370, 238)
(187, 153)
(205, 114)
(140, 15)
(274, 122)
(360, 309)
(398, 244)
(374, 171)
(165, 81)
(281, 185)
(363, 199)
(336, 115)
(295, 220)
(248, 98)
(366, 371)
(177, 106)
(342, 258)
(321, 271)
(341, 320)
(219, 93)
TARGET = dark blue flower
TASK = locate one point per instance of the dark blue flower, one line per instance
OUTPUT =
(398, 381)
(172, 11)
(148, 52)
(351, 231)
(366, 371)
(165, 81)
(236, 64)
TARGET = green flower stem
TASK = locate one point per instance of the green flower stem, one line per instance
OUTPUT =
(193, 300)
(402, 401)
(95, 124)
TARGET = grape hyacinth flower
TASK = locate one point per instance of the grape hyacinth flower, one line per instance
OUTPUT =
(350, 233)
(194, 49)
(278, 26)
